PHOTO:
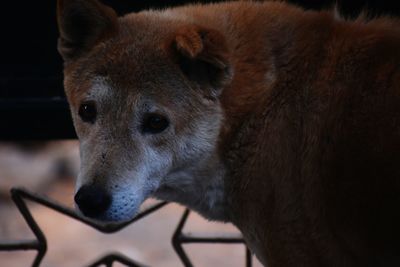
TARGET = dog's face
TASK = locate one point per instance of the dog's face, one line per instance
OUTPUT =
(143, 92)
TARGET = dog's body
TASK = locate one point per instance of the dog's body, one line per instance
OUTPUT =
(282, 121)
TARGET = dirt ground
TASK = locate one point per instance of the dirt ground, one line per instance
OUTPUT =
(48, 169)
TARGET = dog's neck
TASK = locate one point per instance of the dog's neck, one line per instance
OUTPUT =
(206, 185)
(200, 187)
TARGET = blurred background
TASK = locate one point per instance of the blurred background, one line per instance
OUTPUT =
(38, 149)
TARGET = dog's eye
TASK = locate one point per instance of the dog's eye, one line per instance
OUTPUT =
(88, 112)
(154, 123)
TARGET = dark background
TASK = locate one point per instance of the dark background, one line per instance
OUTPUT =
(32, 105)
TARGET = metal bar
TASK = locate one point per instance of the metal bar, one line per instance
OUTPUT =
(19, 195)
(227, 239)
(179, 238)
(41, 239)
(176, 240)
(19, 245)
(106, 228)
(249, 258)
(109, 260)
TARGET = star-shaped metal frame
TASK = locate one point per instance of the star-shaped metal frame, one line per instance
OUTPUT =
(19, 195)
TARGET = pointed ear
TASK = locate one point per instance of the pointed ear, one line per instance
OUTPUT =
(203, 56)
(82, 23)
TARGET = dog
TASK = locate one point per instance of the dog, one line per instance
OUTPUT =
(283, 121)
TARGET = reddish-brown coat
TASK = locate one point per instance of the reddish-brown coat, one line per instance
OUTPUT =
(312, 131)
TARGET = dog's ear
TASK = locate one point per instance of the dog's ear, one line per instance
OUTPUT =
(82, 23)
(203, 56)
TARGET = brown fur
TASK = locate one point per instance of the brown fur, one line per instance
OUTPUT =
(311, 136)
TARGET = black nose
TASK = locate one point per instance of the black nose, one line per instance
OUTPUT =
(92, 200)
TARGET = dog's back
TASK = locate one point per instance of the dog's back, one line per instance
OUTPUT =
(317, 167)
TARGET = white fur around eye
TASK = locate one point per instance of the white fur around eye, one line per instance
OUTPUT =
(100, 90)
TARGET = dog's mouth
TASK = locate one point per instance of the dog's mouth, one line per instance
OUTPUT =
(95, 203)
(125, 205)
(114, 215)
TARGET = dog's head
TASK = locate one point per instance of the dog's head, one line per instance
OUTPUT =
(143, 91)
